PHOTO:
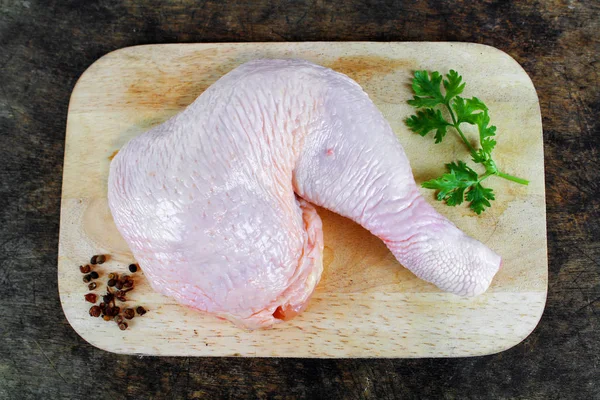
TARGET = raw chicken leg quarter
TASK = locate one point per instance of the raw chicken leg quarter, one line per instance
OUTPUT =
(215, 202)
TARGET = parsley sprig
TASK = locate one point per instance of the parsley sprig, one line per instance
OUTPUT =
(460, 182)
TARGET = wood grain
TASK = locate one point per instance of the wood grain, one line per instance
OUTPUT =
(367, 305)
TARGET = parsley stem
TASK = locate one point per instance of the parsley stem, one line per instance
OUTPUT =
(513, 178)
(457, 127)
(485, 176)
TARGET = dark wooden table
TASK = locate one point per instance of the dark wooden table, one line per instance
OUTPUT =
(46, 45)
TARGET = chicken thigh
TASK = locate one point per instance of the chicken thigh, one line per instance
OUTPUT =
(214, 203)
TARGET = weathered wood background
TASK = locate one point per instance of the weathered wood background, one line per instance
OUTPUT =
(46, 45)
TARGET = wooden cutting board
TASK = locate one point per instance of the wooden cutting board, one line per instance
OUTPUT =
(367, 304)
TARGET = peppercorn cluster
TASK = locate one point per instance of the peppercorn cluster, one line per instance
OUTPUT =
(117, 288)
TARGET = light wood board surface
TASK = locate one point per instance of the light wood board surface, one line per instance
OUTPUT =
(367, 304)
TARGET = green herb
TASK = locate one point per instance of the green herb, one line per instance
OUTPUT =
(461, 182)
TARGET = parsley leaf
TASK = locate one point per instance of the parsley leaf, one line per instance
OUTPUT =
(427, 89)
(479, 198)
(486, 132)
(482, 121)
(451, 186)
(461, 182)
(428, 120)
(465, 109)
(453, 85)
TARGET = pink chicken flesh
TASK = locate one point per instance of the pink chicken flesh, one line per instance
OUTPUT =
(214, 203)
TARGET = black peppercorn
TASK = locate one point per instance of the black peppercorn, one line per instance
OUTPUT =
(123, 326)
(92, 286)
(140, 310)
(111, 283)
(107, 298)
(119, 285)
(94, 275)
(129, 313)
(95, 311)
(84, 269)
(133, 268)
(87, 278)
